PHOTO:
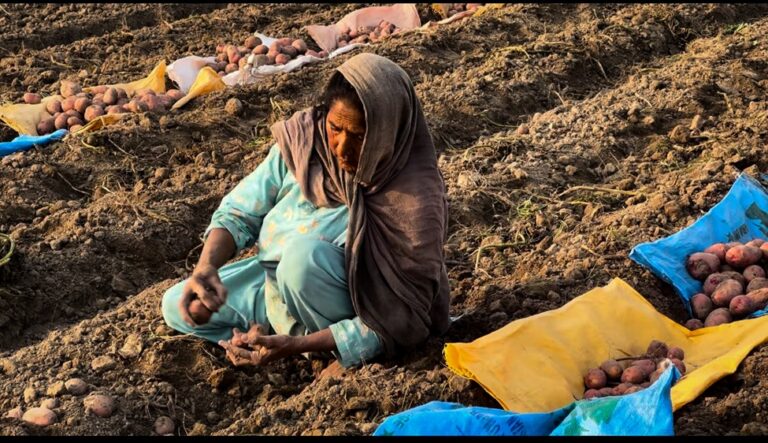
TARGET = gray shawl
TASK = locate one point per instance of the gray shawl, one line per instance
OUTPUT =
(398, 210)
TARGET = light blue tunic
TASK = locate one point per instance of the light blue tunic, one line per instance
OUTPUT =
(297, 282)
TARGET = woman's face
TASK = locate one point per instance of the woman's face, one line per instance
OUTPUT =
(345, 126)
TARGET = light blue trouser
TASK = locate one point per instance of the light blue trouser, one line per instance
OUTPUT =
(307, 291)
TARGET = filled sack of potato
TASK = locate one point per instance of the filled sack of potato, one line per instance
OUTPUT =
(553, 350)
(687, 258)
(403, 16)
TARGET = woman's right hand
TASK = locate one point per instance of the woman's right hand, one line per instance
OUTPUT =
(206, 285)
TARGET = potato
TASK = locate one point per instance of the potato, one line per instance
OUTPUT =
(39, 416)
(289, 51)
(676, 352)
(81, 104)
(605, 392)
(756, 283)
(136, 105)
(53, 106)
(633, 374)
(251, 42)
(312, 53)
(110, 96)
(756, 242)
(175, 94)
(323, 54)
(752, 272)
(300, 45)
(285, 41)
(50, 403)
(72, 121)
(114, 109)
(271, 59)
(100, 405)
(61, 121)
(16, 413)
(76, 386)
(701, 264)
(718, 317)
(680, 365)
(73, 113)
(612, 369)
(235, 59)
(725, 292)
(647, 365)
(230, 68)
(738, 276)
(68, 103)
(733, 244)
(69, 89)
(741, 306)
(282, 59)
(694, 324)
(260, 50)
(657, 349)
(591, 393)
(701, 305)
(742, 256)
(31, 98)
(622, 388)
(46, 126)
(75, 128)
(759, 298)
(93, 112)
(99, 89)
(164, 425)
(201, 315)
(143, 92)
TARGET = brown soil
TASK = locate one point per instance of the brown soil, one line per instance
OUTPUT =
(535, 109)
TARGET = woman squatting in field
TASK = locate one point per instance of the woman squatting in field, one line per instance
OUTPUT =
(349, 214)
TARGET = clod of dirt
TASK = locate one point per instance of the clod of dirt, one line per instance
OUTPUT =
(100, 405)
(233, 106)
(132, 346)
(39, 416)
(358, 403)
(76, 386)
(221, 378)
(50, 403)
(56, 389)
(122, 285)
(30, 394)
(103, 363)
(16, 413)
(164, 425)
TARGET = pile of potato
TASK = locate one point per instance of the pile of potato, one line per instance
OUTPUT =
(78, 108)
(281, 51)
(620, 378)
(230, 58)
(734, 282)
(366, 34)
(455, 8)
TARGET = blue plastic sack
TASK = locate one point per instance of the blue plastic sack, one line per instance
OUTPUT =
(24, 142)
(647, 412)
(741, 215)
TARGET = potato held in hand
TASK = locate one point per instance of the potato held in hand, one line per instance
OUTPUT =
(701, 264)
(199, 313)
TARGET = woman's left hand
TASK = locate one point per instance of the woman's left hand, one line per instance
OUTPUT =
(264, 349)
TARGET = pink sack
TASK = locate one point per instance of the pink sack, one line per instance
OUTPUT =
(404, 16)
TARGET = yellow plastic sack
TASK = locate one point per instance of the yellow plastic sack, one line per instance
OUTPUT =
(155, 81)
(536, 364)
(23, 118)
(207, 81)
